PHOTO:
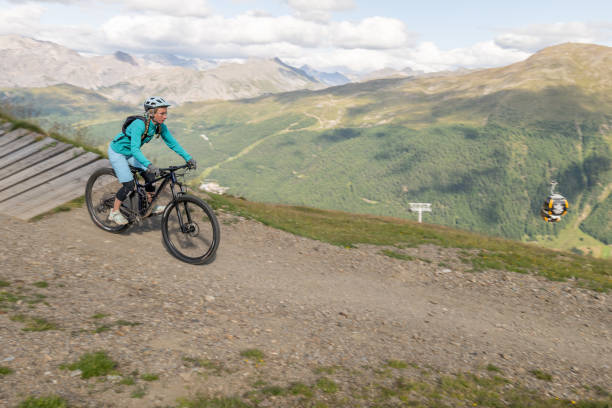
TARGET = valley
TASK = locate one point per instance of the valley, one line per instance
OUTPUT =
(481, 146)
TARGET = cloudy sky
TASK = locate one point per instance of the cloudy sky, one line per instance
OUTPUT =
(348, 35)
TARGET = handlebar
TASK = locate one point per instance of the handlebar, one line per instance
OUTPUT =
(174, 168)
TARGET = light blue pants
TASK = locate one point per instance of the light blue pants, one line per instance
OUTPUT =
(121, 164)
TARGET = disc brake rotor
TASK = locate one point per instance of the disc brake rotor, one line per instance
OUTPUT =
(193, 229)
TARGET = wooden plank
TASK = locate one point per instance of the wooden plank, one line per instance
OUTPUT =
(47, 176)
(48, 196)
(35, 159)
(16, 145)
(11, 136)
(26, 172)
(25, 152)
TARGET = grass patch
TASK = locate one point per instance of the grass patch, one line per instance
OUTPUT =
(127, 381)
(265, 390)
(601, 392)
(34, 324)
(76, 203)
(44, 402)
(150, 377)
(106, 327)
(4, 284)
(94, 364)
(18, 318)
(428, 389)
(273, 390)
(35, 298)
(329, 370)
(101, 329)
(23, 124)
(397, 364)
(253, 354)
(138, 393)
(126, 323)
(484, 252)
(9, 297)
(493, 368)
(298, 388)
(213, 402)
(5, 371)
(397, 255)
(41, 284)
(541, 375)
(37, 324)
(327, 385)
(217, 367)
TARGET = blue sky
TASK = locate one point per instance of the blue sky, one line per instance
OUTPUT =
(348, 35)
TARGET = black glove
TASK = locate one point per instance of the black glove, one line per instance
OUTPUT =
(153, 170)
(191, 164)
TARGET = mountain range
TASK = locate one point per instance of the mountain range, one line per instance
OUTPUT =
(481, 146)
(123, 77)
(32, 63)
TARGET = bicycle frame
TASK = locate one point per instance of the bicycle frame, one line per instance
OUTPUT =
(136, 213)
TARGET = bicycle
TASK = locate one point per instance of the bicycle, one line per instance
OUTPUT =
(190, 229)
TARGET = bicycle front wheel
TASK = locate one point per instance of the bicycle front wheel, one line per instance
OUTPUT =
(100, 193)
(190, 230)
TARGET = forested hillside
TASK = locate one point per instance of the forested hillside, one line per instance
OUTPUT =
(481, 147)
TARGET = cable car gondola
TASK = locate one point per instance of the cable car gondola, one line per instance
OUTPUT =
(555, 206)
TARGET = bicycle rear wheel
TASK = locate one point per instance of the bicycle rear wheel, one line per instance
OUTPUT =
(190, 230)
(100, 192)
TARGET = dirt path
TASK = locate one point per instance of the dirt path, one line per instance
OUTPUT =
(304, 303)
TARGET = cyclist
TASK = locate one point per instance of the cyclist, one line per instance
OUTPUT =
(124, 151)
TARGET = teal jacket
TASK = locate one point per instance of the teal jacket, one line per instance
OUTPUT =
(129, 144)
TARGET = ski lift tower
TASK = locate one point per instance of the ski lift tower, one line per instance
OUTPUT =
(420, 208)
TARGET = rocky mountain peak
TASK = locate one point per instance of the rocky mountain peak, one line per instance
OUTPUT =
(125, 57)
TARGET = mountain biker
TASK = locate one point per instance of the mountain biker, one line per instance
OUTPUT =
(124, 151)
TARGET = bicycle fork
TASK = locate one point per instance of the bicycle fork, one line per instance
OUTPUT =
(185, 228)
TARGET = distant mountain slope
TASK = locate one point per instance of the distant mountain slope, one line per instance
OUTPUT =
(332, 79)
(30, 63)
(480, 146)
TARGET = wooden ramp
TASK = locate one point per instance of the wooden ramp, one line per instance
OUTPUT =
(39, 173)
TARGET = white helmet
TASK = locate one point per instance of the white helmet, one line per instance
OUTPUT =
(155, 102)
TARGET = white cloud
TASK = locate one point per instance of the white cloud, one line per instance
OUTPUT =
(192, 30)
(321, 5)
(46, 1)
(247, 31)
(184, 8)
(297, 41)
(371, 33)
(428, 57)
(21, 19)
(318, 10)
(424, 57)
(535, 37)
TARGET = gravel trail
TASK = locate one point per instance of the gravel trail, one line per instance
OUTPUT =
(304, 303)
